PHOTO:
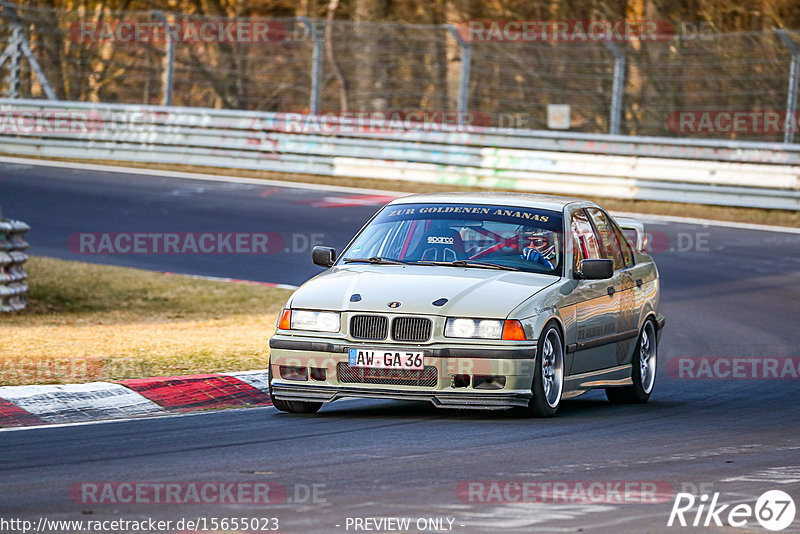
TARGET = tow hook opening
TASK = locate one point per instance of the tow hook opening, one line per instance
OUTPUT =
(461, 381)
(319, 373)
(488, 382)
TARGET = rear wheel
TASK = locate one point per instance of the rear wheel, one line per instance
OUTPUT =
(644, 369)
(548, 375)
(292, 406)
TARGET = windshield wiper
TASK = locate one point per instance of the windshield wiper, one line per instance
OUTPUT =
(470, 263)
(377, 260)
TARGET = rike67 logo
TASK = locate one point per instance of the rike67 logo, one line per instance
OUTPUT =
(774, 510)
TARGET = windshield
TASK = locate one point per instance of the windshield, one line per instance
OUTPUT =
(463, 235)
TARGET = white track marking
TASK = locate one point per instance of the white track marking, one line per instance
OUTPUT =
(777, 475)
(707, 222)
(258, 379)
(71, 403)
(198, 176)
(357, 190)
(159, 415)
(652, 460)
(235, 280)
(525, 515)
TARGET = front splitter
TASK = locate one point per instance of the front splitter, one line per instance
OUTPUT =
(440, 399)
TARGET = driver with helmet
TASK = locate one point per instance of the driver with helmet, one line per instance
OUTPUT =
(539, 246)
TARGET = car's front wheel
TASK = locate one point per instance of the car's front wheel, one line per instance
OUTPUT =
(644, 369)
(292, 406)
(548, 375)
(296, 406)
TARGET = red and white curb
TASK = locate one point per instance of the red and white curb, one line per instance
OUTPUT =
(95, 401)
(232, 280)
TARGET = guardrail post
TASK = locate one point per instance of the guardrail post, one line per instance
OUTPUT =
(466, 65)
(316, 66)
(791, 97)
(14, 52)
(617, 88)
(17, 47)
(169, 60)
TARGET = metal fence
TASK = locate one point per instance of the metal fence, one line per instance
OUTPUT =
(13, 285)
(630, 88)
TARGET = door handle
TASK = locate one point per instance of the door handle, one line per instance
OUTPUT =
(611, 291)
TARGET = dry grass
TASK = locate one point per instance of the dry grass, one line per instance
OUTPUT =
(87, 322)
(720, 213)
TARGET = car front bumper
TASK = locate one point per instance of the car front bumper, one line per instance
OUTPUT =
(447, 390)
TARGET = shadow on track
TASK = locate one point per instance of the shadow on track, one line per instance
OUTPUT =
(389, 409)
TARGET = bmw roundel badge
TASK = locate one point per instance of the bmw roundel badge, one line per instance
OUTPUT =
(394, 304)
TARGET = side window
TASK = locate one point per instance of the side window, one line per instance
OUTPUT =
(625, 244)
(630, 233)
(609, 244)
(584, 242)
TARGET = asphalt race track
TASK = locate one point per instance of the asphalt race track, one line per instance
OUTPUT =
(725, 292)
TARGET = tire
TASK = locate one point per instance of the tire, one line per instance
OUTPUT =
(644, 369)
(292, 406)
(548, 374)
(297, 406)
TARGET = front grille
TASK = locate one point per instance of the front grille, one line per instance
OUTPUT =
(368, 327)
(395, 377)
(411, 329)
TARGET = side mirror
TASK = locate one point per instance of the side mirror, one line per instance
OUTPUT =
(323, 256)
(595, 270)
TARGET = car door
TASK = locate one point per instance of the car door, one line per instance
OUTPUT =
(631, 306)
(615, 246)
(597, 305)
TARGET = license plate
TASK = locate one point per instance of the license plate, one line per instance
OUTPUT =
(386, 359)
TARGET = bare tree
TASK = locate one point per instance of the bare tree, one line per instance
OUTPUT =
(332, 6)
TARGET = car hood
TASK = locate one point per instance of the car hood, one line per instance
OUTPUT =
(469, 292)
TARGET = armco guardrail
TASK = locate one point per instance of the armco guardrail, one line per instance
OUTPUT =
(13, 285)
(763, 175)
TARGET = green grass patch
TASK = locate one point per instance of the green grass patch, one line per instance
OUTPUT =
(95, 322)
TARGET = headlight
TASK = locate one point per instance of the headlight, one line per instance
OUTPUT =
(314, 321)
(473, 328)
(510, 329)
